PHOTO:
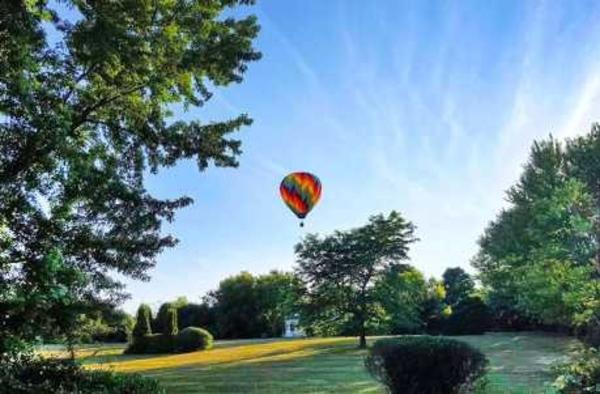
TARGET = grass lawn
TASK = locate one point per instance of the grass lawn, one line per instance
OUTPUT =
(519, 363)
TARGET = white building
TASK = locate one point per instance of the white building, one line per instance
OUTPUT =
(292, 327)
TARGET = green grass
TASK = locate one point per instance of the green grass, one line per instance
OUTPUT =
(519, 363)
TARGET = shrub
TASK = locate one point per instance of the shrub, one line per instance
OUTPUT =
(193, 338)
(142, 322)
(170, 324)
(152, 344)
(581, 374)
(162, 320)
(426, 365)
(27, 374)
(469, 317)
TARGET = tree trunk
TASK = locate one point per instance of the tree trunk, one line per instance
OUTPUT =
(362, 340)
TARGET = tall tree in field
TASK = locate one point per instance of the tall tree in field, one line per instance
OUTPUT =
(340, 270)
(538, 254)
(458, 284)
(86, 114)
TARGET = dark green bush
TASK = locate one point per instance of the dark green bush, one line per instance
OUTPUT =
(469, 317)
(161, 320)
(170, 325)
(193, 338)
(152, 344)
(426, 365)
(26, 374)
(581, 374)
(142, 322)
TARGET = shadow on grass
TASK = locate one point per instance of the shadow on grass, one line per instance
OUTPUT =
(325, 369)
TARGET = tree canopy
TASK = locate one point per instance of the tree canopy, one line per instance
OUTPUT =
(458, 284)
(340, 270)
(539, 255)
(87, 99)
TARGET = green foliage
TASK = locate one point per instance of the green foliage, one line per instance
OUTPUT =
(581, 374)
(54, 288)
(402, 293)
(170, 326)
(119, 325)
(84, 116)
(537, 257)
(152, 344)
(187, 340)
(246, 306)
(197, 315)
(277, 296)
(435, 309)
(142, 322)
(26, 375)
(339, 271)
(161, 321)
(426, 365)
(191, 339)
(469, 317)
(236, 307)
(458, 284)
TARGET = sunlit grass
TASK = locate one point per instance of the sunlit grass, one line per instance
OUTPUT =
(519, 363)
(251, 353)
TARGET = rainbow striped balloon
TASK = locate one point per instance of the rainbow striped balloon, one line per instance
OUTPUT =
(301, 192)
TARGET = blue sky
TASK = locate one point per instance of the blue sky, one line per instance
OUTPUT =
(428, 108)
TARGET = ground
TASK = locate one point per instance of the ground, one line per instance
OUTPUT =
(519, 363)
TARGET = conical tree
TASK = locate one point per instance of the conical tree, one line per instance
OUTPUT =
(142, 322)
(170, 323)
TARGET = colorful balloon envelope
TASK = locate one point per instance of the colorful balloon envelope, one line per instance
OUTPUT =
(301, 192)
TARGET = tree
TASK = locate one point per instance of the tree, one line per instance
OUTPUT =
(142, 321)
(435, 308)
(247, 306)
(170, 327)
(340, 270)
(458, 284)
(236, 307)
(198, 315)
(402, 292)
(161, 321)
(86, 114)
(277, 297)
(537, 256)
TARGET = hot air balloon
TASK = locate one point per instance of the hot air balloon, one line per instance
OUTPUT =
(301, 192)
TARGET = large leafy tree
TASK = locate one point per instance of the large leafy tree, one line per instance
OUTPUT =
(537, 256)
(248, 306)
(458, 284)
(278, 295)
(340, 270)
(87, 112)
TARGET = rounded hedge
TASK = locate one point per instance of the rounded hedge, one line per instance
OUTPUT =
(426, 365)
(193, 338)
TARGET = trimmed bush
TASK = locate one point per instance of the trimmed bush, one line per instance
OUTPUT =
(142, 321)
(170, 324)
(152, 344)
(160, 322)
(25, 375)
(426, 365)
(191, 339)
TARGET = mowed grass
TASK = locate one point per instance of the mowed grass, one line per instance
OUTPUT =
(519, 363)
